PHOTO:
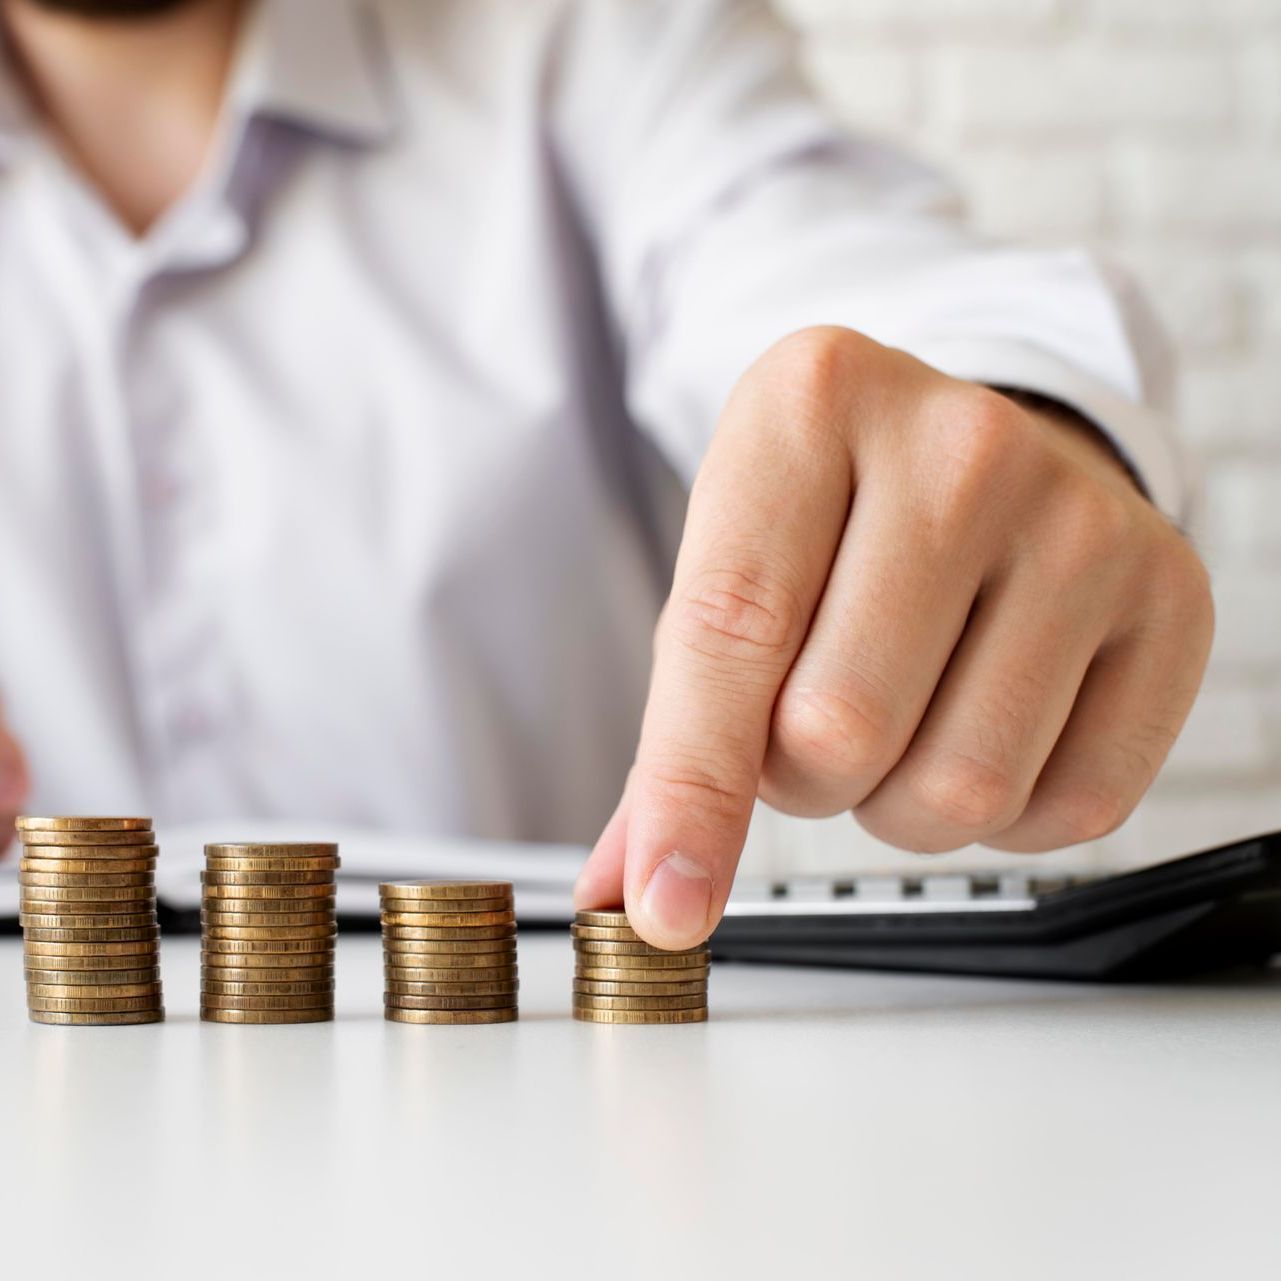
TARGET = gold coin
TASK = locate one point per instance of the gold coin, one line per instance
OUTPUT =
(90, 1005)
(270, 907)
(644, 978)
(483, 948)
(28, 824)
(445, 889)
(597, 947)
(270, 891)
(615, 920)
(411, 974)
(448, 933)
(94, 991)
(584, 1015)
(693, 1002)
(322, 1014)
(99, 854)
(75, 935)
(594, 987)
(447, 920)
(322, 877)
(262, 974)
(450, 1017)
(96, 947)
(256, 933)
(247, 947)
(268, 960)
(264, 920)
(93, 964)
(66, 880)
(117, 1018)
(310, 1001)
(395, 987)
(309, 987)
(271, 866)
(88, 893)
(87, 920)
(466, 908)
(451, 961)
(607, 934)
(271, 849)
(87, 866)
(91, 978)
(501, 1002)
(90, 839)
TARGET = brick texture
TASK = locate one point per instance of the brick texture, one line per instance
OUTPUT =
(1150, 129)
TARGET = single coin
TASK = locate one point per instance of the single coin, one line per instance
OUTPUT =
(143, 934)
(503, 1001)
(270, 907)
(264, 974)
(321, 1014)
(615, 920)
(394, 1014)
(585, 1015)
(95, 991)
(448, 933)
(483, 948)
(87, 920)
(593, 987)
(319, 877)
(445, 889)
(462, 974)
(90, 1005)
(271, 866)
(91, 978)
(451, 961)
(464, 907)
(115, 947)
(103, 880)
(117, 1018)
(75, 824)
(260, 920)
(271, 849)
(640, 977)
(314, 987)
(251, 933)
(127, 961)
(596, 947)
(607, 934)
(310, 1001)
(270, 891)
(88, 893)
(268, 960)
(693, 1002)
(247, 947)
(86, 866)
(447, 920)
(91, 839)
(100, 854)
(397, 988)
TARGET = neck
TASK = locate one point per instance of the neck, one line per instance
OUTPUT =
(134, 101)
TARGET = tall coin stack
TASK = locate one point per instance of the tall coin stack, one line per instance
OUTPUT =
(268, 928)
(619, 978)
(91, 939)
(450, 951)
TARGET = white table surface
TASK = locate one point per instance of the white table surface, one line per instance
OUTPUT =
(822, 1124)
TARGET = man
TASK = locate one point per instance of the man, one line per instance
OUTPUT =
(351, 352)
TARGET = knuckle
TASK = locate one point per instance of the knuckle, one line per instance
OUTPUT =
(977, 442)
(965, 793)
(736, 614)
(1086, 812)
(692, 785)
(837, 735)
(815, 362)
(1093, 527)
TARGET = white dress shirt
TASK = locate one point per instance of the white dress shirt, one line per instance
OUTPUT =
(350, 491)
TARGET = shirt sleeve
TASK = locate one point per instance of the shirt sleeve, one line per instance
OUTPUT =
(728, 209)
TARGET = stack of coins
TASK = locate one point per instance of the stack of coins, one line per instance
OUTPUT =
(88, 910)
(268, 928)
(619, 978)
(450, 951)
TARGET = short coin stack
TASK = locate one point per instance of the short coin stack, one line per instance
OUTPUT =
(90, 935)
(450, 951)
(268, 928)
(619, 978)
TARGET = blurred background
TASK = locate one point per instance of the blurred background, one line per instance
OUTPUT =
(1150, 130)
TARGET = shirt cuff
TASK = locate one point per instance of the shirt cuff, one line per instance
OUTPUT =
(1144, 437)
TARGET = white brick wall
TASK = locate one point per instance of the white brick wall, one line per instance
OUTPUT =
(1150, 129)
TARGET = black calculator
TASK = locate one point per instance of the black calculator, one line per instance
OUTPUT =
(1216, 910)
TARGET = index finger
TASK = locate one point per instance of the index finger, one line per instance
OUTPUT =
(765, 517)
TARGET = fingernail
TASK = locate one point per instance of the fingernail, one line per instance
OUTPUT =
(677, 900)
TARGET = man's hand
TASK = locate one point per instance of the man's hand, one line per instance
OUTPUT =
(912, 598)
(15, 784)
